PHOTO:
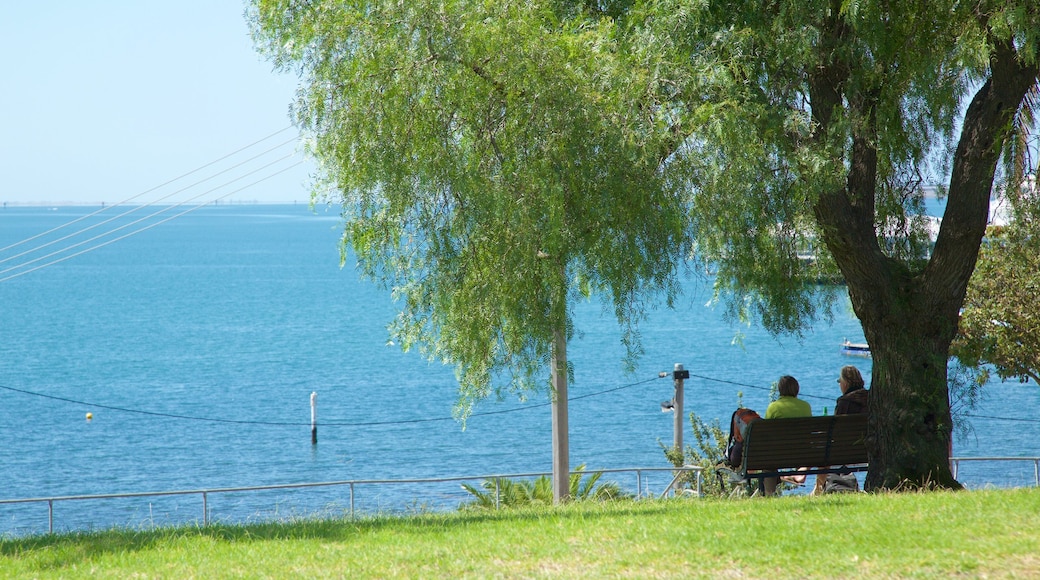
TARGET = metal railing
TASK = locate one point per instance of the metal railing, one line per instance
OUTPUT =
(352, 485)
(204, 494)
(955, 464)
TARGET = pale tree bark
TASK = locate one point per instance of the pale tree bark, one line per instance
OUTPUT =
(560, 434)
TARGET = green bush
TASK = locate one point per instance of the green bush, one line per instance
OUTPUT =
(709, 451)
(526, 492)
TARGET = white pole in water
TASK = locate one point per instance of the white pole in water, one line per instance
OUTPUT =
(314, 418)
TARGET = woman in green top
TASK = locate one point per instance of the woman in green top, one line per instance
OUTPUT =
(786, 407)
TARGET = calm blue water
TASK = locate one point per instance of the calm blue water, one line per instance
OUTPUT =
(196, 345)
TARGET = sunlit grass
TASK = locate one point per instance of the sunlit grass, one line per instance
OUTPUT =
(920, 535)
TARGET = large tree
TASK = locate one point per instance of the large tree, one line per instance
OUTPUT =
(495, 162)
(815, 124)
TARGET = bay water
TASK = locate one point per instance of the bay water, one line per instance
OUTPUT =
(195, 345)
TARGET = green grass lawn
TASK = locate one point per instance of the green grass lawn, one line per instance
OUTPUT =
(981, 534)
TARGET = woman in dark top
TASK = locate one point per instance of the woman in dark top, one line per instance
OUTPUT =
(853, 399)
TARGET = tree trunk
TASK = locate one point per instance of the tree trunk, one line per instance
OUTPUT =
(910, 425)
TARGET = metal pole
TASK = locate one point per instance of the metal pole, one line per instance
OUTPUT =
(678, 375)
(50, 516)
(205, 509)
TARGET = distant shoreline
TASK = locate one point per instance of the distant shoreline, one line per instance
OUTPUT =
(5, 204)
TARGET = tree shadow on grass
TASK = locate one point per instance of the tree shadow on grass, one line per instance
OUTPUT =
(57, 551)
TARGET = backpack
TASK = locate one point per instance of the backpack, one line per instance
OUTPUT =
(737, 429)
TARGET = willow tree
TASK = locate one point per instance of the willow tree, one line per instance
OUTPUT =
(817, 123)
(495, 162)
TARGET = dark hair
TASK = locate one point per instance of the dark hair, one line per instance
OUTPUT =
(852, 377)
(788, 386)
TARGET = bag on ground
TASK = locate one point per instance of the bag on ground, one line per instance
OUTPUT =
(841, 483)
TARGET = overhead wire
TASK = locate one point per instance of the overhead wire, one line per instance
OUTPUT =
(135, 209)
(758, 387)
(339, 423)
(323, 423)
(147, 191)
(145, 228)
(22, 268)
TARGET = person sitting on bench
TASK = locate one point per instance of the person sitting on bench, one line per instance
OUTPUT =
(787, 406)
(853, 400)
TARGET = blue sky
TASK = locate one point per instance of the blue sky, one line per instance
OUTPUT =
(105, 100)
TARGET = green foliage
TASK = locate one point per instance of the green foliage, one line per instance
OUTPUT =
(764, 158)
(505, 492)
(1000, 322)
(495, 161)
(708, 453)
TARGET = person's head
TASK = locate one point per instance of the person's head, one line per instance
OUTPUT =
(850, 379)
(788, 386)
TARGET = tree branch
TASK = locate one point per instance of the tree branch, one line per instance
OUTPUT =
(987, 124)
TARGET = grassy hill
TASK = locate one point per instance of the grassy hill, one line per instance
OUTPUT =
(979, 534)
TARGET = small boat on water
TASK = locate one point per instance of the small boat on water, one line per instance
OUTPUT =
(855, 348)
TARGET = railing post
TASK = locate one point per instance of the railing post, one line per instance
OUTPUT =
(50, 516)
(1036, 471)
(498, 489)
(639, 484)
(205, 509)
(351, 501)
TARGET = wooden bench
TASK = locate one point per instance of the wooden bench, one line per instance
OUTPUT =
(804, 446)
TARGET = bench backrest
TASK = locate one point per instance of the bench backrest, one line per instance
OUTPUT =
(772, 444)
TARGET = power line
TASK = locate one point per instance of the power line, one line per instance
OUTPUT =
(410, 421)
(145, 228)
(760, 388)
(322, 423)
(1022, 419)
(131, 211)
(161, 185)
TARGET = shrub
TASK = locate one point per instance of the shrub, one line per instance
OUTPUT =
(524, 492)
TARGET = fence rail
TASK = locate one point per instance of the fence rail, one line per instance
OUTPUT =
(204, 494)
(352, 484)
(955, 464)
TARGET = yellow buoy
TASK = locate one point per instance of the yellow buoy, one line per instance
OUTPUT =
(90, 416)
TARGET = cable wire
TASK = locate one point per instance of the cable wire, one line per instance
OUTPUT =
(130, 211)
(129, 199)
(769, 389)
(405, 421)
(322, 423)
(145, 228)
